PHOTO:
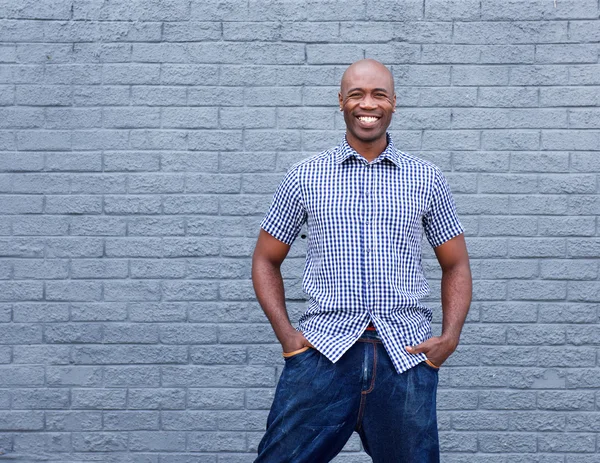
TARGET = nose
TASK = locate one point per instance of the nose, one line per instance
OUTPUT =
(367, 102)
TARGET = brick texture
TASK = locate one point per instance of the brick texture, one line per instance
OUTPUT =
(140, 144)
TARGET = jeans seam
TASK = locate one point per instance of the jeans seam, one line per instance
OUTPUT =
(374, 371)
(361, 410)
(363, 394)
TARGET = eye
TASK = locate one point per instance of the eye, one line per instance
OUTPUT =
(354, 95)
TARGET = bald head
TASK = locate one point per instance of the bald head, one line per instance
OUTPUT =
(368, 100)
(369, 69)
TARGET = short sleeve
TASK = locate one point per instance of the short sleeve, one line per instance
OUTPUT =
(287, 212)
(440, 222)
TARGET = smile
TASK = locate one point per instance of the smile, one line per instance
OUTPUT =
(368, 120)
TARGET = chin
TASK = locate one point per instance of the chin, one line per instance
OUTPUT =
(368, 137)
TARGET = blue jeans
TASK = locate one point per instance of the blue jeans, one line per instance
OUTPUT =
(319, 404)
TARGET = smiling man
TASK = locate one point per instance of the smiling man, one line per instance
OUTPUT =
(363, 357)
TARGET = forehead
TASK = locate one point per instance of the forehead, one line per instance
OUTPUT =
(367, 77)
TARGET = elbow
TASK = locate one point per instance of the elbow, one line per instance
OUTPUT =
(260, 261)
(460, 268)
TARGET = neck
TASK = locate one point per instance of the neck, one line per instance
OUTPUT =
(367, 149)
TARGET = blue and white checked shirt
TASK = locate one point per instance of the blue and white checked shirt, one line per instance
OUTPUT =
(363, 261)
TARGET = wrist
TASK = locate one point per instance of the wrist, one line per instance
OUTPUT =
(450, 341)
(286, 333)
(293, 342)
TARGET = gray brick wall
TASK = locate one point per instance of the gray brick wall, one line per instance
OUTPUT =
(140, 144)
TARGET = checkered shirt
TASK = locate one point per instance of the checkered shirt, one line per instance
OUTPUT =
(363, 261)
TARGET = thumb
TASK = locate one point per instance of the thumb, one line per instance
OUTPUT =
(417, 349)
(307, 342)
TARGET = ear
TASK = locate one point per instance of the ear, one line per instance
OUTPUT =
(340, 100)
(394, 103)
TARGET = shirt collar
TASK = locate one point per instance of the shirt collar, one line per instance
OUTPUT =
(345, 151)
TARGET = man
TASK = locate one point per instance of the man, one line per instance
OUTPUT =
(363, 357)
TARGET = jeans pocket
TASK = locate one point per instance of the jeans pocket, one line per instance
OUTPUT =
(289, 355)
(431, 365)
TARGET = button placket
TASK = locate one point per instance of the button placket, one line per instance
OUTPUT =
(368, 242)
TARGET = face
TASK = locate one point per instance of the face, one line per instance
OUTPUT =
(368, 101)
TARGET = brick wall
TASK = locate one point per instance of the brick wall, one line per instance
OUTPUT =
(140, 144)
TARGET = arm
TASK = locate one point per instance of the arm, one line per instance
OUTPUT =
(456, 287)
(268, 256)
(456, 298)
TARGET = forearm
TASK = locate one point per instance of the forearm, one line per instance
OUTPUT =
(456, 299)
(269, 289)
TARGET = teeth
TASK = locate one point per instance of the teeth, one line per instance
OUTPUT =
(367, 119)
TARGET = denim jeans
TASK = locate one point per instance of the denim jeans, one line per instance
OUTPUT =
(319, 404)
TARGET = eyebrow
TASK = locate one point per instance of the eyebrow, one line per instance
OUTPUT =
(360, 89)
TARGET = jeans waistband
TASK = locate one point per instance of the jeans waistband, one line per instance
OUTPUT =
(370, 334)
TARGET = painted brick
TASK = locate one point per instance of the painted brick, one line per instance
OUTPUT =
(159, 52)
(36, 399)
(93, 31)
(155, 226)
(579, 53)
(98, 312)
(205, 376)
(507, 442)
(566, 226)
(494, 9)
(538, 421)
(537, 290)
(508, 183)
(335, 10)
(495, 32)
(408, 10)
(99, 442)
(247, 31)
(584, 162)
(34, 354)
(101, 53)
(186, 31)
(130, 117)
(40, 269)
(92, 95)
(458, 442)
(583, 204)
(397, 53)
(449, 97)
(99, 139)
(539, 162)
(539, 75)
(565, 400)
(246, 53)
(333, 54)
(537, 247)
(588, 291)
(447, 10)
(466, 161)
(272, 10)
(568, 313)
(427, 75)
(550, 205)
(122, 10)
(216, 140)
(73, 421)
(74, 74)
